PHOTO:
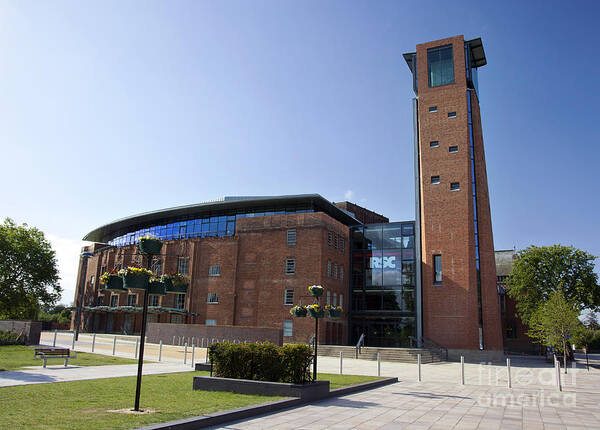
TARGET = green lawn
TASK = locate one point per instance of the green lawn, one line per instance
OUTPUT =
(13, 357)
(339, 381)
(85, 404)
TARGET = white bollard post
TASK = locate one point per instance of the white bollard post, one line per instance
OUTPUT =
(508, 371)
(378, 364)
(185, 353)
(341, 361)
(114, 344)
(419, 364)
(54, 342)
(193, 353)
(173, 340)
(193, 341)
(93, 342)
(73, 346)
(160, 351)
(137, 345)
(558, 383)
(462, 370)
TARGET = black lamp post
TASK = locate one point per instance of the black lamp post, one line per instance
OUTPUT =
(84, 255)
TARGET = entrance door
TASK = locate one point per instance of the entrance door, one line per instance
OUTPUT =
(127, 324)
(109, 323)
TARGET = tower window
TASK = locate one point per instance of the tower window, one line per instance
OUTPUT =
(437, 269)
(435, 179)
(453, 149)
(451, 114)
(432, 109)
(291, 237)
(440, 66)
(434, 144)
(290, 266)
(212, 298)
(454, 186)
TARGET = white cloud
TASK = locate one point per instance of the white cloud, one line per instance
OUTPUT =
(348, 195)
(67, 257)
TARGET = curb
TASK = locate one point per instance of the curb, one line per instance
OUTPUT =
(252, 411)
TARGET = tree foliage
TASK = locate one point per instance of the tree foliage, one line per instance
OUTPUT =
(540, 271)
(28, 272)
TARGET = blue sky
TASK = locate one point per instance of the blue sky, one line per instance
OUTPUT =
(113, 108)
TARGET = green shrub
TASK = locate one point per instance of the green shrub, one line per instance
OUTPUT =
(261, 361)
(11, 338)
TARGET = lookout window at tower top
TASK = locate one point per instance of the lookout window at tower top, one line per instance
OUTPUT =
(440, 66)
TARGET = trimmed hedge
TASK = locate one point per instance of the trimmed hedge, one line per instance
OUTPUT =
(11, 338)
(262, 361)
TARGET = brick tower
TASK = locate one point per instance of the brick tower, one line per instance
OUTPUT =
(459, 299)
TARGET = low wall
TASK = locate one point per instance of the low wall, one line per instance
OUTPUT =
(155, 332)
(30, 329)
(477, 356)
(312, 391)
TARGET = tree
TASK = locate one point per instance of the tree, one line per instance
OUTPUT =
(591, 321)
(554, 323)
(540, 271)
(28, 272)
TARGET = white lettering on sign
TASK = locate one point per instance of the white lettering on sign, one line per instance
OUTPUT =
(383, 262)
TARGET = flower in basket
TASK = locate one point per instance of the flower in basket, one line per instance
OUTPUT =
(104, 278)
(316, 290)
(333, 311)
(174, 279)
(315, 310)
(150, 245)
(130, 270)
(328, 307)
(298, 311)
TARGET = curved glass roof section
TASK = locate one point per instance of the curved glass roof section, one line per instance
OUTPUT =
(211, 218)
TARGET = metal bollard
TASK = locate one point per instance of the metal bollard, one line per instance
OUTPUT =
(462, 370)
(193, 353)
(54, 342)
(114, 344)
(160, 350)
(173, 341)
(185, 353)
(419, 364)
(508, 370)
(93, 342)
(341, 361)
(137, 345)
(379, 364)
(192, 341)
(558, 383)
(73, 346)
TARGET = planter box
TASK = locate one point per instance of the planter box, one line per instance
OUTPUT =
(311, 391)
(203, 366)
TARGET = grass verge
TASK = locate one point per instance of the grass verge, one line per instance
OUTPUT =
(13, 357)
(340, 381)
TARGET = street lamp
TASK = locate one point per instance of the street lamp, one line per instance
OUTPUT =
(84, 255)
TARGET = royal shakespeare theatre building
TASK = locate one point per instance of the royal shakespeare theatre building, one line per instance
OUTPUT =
(431, 280)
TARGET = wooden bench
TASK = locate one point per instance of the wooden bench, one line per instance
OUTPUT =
(49, 353)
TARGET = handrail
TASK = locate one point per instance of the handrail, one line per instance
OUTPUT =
(361, 342)
(427, 343)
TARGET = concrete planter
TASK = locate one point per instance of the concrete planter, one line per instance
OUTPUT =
(312, 391)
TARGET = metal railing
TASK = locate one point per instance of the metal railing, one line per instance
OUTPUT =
(360, 343)
(425, 342)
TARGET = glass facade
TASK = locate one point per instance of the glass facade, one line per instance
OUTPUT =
(440, 66)
(383, 289)
(207, 226)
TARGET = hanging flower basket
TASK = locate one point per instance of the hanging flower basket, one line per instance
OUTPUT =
(315, 311)
(135, 277)
(175, 283)
(316, 290)
(150, 245)
(157, 288)
(178, 289)
(112, 282)
(299, 311)
(333, 311)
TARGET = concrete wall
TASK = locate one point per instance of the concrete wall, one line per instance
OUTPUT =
(156, 332)
(30, 329)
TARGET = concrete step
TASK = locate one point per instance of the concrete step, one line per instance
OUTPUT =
(405, 355)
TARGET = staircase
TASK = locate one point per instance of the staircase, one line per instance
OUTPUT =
(403, 355)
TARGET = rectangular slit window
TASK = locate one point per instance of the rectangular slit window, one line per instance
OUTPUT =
(291, 237)
(214, 271)
(451, 114)
(212, 298)
(453, 149)
(454, 186)
(288, 298)
(437, 269)
(290, 266)
(287, 328)
(435, 179)
(434, 144)
(432, 109)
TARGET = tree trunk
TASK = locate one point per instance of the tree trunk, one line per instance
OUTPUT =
(565, 355)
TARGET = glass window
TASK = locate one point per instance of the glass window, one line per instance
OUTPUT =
(374, 270)
(153, 301)
(176, 319)
(179, 301)
(113, 300)
(373, 237)
(288, 297)
(131, 299)
(183, 264)
(341, 273)
(435, 179)
(287, 328)
(335, 271)
(432, 109)
(451, 114)
(214, 271)
(210, 322)
(341, 301)
(291, 237)
(328, 298)
(329, 238)
(434, 144)
(212, 298)
(341, 245)
(454, 186)
(453, 149)
(334, 299)
(408, 229)
(437, 269)
(357, 238)
(440, 66)
(290, 266)
(392, 236)
(328, 268)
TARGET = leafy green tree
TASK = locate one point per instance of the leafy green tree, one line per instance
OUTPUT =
(28, 272)
(540, 271)
(554, 323)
